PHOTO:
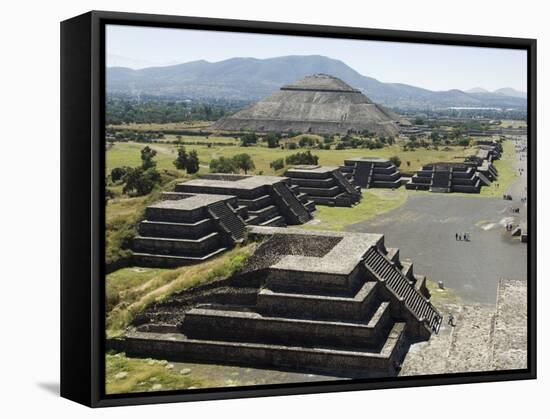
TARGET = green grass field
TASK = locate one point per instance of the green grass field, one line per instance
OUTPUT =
(509, 123)
(128, 154)
(507, 173)
(374, 202)
(130, 375)
(160, 127)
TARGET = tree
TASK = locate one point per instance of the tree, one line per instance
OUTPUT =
(396, 161)
(181, 160)
(249, 139)
(306, 141)
(140, 181)
(435, 137)
(419, 121)
(464, 142)
(147, 155)
(328, 139)
(192, 164)
(118, 173)
(272, 140)
(223, 165)
(244, 162)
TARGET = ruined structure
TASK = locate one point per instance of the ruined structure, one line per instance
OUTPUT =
(320, 104)
(206, 216)
(494, 148)
(332, 303)
(488, 151)
(447, 177)
(188, 228)
(324, 185)
(372, 172)
(269, 200)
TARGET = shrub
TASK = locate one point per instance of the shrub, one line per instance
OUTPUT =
(223, 165)
(277, 164)
(328, 139)
(302, 158)
(396, 161)
(273, 140)
(249, 139)
(306, 141)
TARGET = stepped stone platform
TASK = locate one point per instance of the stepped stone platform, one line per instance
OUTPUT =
(372, 172)
(493, 147)
(187, 228)
(488, 151)
(264, 200)
(324, 185)
(447, 177)
(332, 303)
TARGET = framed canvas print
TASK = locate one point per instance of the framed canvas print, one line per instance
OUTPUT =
(253, 208)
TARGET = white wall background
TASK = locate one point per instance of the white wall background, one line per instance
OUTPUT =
(29, 223)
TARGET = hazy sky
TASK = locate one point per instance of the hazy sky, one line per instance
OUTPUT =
(433, 67)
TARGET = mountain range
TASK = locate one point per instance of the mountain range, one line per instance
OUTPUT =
(251, 79)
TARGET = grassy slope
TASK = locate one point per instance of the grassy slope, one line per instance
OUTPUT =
(130, 290)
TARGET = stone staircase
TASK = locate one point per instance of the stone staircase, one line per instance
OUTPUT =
(398, 284)
(363, 173)
(228, 220)
(299, 212)
(441, 181)
(345, 183)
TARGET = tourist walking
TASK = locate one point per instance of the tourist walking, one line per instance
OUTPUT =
(451, 321)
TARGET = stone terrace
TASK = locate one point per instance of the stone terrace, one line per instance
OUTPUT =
(372, 172)
(324, 185)
(447, 177)
(269, 200)
(335, 303)
(187, 228)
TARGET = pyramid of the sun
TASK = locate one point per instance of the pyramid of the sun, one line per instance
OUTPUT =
(319, 104)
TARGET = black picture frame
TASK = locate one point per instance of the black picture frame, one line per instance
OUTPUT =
(83, 210)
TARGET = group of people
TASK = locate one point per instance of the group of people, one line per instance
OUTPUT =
(462, 237)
